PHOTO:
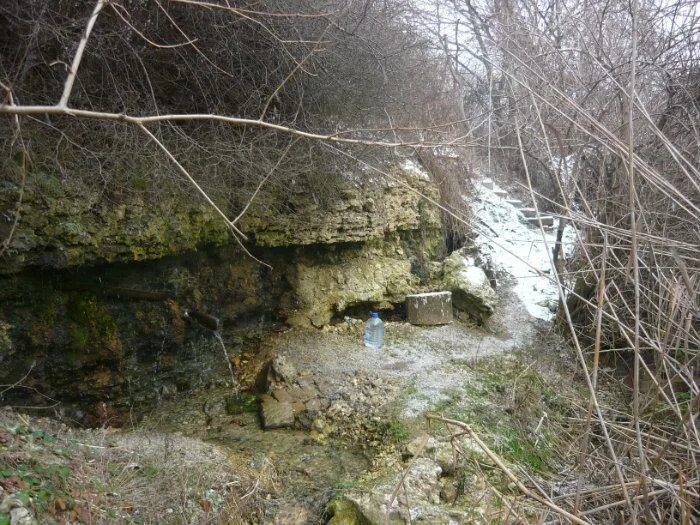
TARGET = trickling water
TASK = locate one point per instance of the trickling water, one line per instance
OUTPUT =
(236, 386)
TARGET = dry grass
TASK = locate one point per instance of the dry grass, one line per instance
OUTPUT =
(110, 476)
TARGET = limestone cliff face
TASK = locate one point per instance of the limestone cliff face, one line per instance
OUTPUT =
(93, 288)
(68, 224)
(356, 215)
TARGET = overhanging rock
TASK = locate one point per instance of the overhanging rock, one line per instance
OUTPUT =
(426, 309)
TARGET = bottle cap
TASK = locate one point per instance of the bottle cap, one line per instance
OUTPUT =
(374, 315)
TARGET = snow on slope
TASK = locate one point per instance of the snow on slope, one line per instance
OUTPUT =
(518, 250)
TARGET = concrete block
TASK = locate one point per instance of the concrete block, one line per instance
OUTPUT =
(427, 309)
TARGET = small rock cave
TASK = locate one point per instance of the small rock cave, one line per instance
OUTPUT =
(360, 310)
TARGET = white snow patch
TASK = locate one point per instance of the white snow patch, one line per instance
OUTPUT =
(414, 168)
(519, 250)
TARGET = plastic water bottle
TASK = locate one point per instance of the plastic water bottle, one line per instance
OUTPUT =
(374, 332)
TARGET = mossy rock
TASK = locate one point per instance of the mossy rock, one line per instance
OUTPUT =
(345, 512)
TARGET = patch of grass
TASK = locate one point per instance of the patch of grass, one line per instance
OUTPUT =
(396, 431)
(411, 389)
(524, 452)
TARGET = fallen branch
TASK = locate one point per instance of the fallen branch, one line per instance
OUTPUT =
(499, 462)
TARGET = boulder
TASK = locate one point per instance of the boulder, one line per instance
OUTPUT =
(426, 309)
(471, 291)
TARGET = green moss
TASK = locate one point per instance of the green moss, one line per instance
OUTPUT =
(241, 403)
(397, 431)
(90, 324)
(344, 512)
(79, 337)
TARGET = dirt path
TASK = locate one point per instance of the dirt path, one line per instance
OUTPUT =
(421, 358)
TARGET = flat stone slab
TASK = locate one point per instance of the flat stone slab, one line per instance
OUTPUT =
(501, 193)
(275, 414)
(547, 220)
(528, 212)
(487, 183)
(429, 309)
(515, 202)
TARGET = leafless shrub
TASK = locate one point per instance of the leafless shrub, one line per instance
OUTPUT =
(595, 107)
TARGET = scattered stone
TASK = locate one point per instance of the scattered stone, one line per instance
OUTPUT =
(302, 393)
(471, 290)
(445, 457)
(428, 309)
(313, 406)
(448, 493)
(275, 414)
(418, 502)
(319, 425)
(422, 445)
(283, 370)
(20, 516)
(293, 516)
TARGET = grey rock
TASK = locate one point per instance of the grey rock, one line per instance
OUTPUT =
(275, 414)
(547, 220)
(20, 516)
(422, 445)
(282, 395)
(283, 369)
(471, 290)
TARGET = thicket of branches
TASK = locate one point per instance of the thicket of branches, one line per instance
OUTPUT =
(323, 66)
(595, 106)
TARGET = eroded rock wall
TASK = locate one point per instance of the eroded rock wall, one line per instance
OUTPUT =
(93, 292)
